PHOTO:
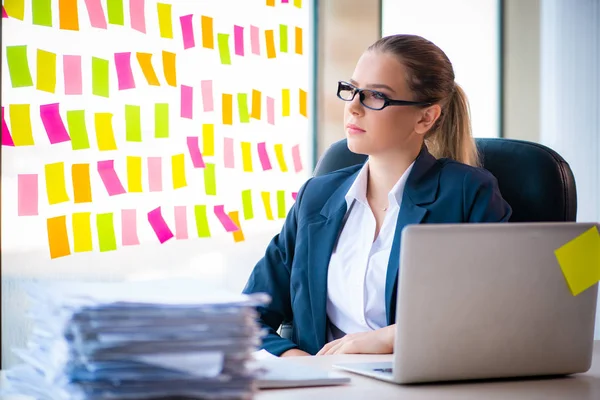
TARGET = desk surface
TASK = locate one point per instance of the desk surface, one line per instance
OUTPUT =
(579, 386)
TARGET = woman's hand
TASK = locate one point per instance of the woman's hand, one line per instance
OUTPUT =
(380, 341)
(294, 353)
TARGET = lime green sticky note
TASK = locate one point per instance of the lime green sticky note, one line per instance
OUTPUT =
(114, 10)
(41, 11)
(201, 221)
(210, 181)
(224, 53)
(18, 66)
(247, 204)
(283, 38)
(78, 130)
(281, 211)
(579, 260)
(161, 120)
(242, 99)
(106, 232)
(100, 77)
(133, 124)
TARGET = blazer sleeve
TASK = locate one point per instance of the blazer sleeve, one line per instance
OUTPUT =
(483, 201)
(271, 275)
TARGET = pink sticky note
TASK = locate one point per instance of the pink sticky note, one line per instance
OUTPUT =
(284, 1)
(264, 156)
(181, 230)
(6, 137)
(187, 101)
(187, 31)
(4, 14)
(28, 194)
(160, 227)
(228, 152)
(207, 95)
(194, 149)
(296, 157)
(254, 40)
(72, 74)
(294, 195)
(96, 13)
(137, 13)
(124, 73)
(227, 223)
(271, 110)
(109, 177)
(238, 39)
(129, 228)
(155, 174)
(53, 123)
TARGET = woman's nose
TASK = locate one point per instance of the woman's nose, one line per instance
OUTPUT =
(354, 106)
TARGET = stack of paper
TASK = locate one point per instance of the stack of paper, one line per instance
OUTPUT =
(138, 341)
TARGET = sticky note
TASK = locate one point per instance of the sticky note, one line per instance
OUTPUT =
(281, 210)
(82, 232)
(266, 198)
(270, 110)
(187, 102)
(100, 77)
(294, 195)
(298, 3)
(263, 156)
(303, 101)
(58, 238)
(115, 12)
(82, 188)
(159, 225)
(194, 149)
(187, 31)
(56, 189)
(579, 260)
(224, 54)
(27, 195)
(201, 221)
(228, 158)
(296, 158)
(207, 95)
(145, 61)
(72, 74)
(137, 15)
(7, 139)
(247, 156)
(283, 38)
(133, 123)
(161, 120)
(238, 236)
(124, 72)
(284, 1)
(298, 38)
(238, 39)
(15, 8)
(4, 14)
(227, 109)
(105, 226)
(155, 174)
(18, 66)
(169, 67)
(208, 140)
(270, 40)
(208, 40)
(68, 15)
(105, 136)
(165, 21)
(181, 229)
(178, 171)
(280, 157)
(134, 174)
(285, 102)
(129, 235)
(242, 99)
(46, 71)
(210, 181)
(247, 204)
(96, 14)
(20, 124)
(112, 183)
(256, 104)
(53, 123)
(271, 3)
(254, 40)
(224, 219)
(41, 11)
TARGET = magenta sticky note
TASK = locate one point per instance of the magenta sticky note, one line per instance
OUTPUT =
(227, 223)
(53, 123)
(228, 152)
(181, 229)
(296, 158)
(263, 156)
(254, 40)
(294, 195)
(271, 110)
(195, 154)
(187, 101)
(238, 39)
(4, 14)
(187, 31)
(72, 74)
(155, 174)
(207, 95)
(109, 177)
(124, 72)
(7, 139)
(96, 14)
(27, 195)
(284, 1)
(160, 227)
(137, 14)
(129, 236)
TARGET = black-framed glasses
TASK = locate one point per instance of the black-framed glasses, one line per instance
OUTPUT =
(371, 98)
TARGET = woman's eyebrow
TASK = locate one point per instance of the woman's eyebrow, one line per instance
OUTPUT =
(374, 86)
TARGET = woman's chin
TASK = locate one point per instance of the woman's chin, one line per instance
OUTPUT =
(356, 144)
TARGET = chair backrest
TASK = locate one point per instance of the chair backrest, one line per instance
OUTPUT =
(535, 180)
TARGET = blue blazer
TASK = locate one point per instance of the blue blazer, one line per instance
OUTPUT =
(294, 268)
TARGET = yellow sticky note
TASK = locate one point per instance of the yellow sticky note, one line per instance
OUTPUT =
(178, 171)
(298, 40)
(285, 102)
(20, 124)
(280, 157)
(15, 8)
(134, 174)
(169, 67)
(56, 187)
(208, 38)
(303, 100)
(82, 232)
(208, 140)
(105, 136)
(247, 156)
(227, 109)
(270, 39)
(256, 104)
(266, 198)
(58, 238)
(46, 71)
(165, 22)
(298, 3)
(579, 261)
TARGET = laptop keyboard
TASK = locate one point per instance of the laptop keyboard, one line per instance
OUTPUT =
(384, 370)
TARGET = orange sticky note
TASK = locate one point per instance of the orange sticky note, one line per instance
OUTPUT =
(256, 104)
(58, 239)
(145, 61)
(270, 39)
(298, 35)
(82, 189)
(280, 157)
(169, 68)
(303, 100)
(227, 109)
(266, 198)
(208, 38)
(579, 260)
(238, 236)
(68, 15)
(56, 188)
(270, 3)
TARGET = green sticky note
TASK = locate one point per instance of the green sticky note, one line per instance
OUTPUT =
(133, 124)
(100, 77)
(114, 10)
(579, 260)
(283, 38)
(281, 211)
(106, 232)
(18, 66)
(161, 120)
(41, 12)
(242, 99)
(223, 40)
(210, 182)
(201, 221)
(247, 204)
(78, 130)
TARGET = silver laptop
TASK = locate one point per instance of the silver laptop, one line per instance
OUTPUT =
(479, 301)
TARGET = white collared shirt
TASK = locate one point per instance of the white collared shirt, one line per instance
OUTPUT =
(358, 265)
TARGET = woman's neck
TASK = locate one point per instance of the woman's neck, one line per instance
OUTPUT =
(386, 170)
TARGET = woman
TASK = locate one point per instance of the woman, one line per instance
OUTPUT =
(333, 268)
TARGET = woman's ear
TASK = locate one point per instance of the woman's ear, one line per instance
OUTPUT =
(428, 118)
